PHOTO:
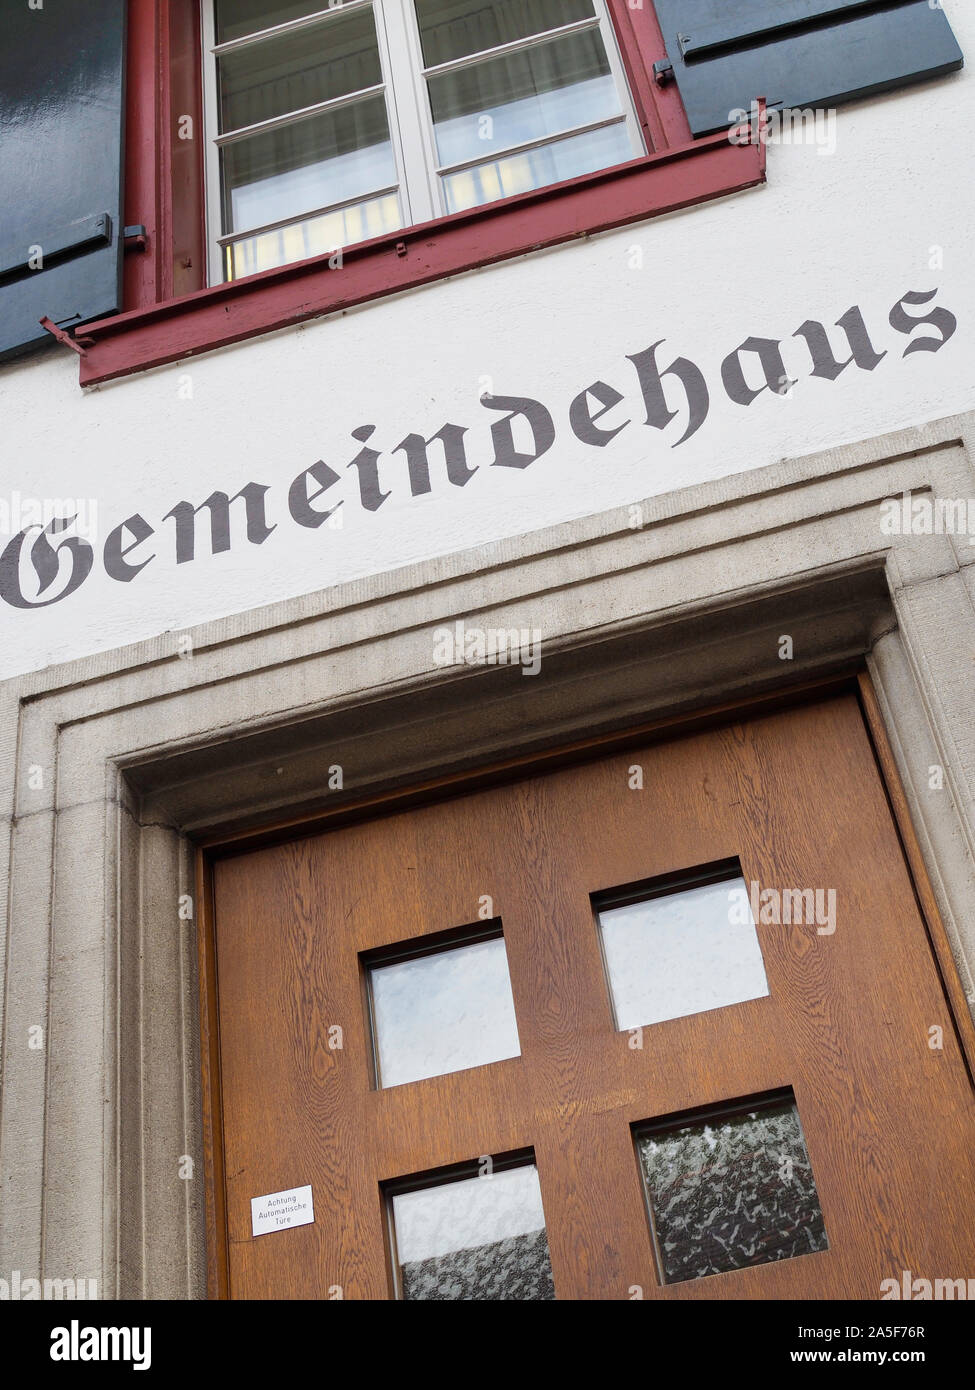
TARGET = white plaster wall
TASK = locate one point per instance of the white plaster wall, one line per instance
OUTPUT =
(829, 231)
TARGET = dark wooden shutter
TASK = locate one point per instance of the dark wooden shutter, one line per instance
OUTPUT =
(62, 70)
(798, 53)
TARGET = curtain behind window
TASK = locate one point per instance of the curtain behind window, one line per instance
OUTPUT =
(488, 24)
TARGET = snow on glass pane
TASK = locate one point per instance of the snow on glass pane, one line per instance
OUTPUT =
(682, 952)
(443, 1012)
(731, 1190)
(475, 1238)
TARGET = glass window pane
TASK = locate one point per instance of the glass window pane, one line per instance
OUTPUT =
(477, 1238)
(296, 70)
(682, 952)
(443, 1012)
(316, 236)
(235, 18)
(334, 157)
(523, 96)
(450, 30)
(519, 173)
(730, 1191)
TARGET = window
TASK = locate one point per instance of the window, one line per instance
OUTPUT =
(441, 1007)
(681, 948)
(329, 126)
(477, 1232)
(498, 130)
(423, 138)
(730, 1188)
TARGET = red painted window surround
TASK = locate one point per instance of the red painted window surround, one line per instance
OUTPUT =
(170, 314)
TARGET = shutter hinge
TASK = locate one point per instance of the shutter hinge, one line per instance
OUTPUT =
(65, 337)
(135, 238)
(663, 72)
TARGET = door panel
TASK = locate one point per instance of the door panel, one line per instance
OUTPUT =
(796, 798)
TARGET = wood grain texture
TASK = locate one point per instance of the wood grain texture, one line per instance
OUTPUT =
(215, 1203)
(797, 796)
(336, 811)
(940, 943)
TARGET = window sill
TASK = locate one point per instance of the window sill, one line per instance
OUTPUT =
(229, 313)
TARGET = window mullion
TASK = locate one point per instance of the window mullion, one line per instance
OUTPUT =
(408, 93)
(230, 137)
(505, 50)
(615, 57)
(227, 238)
(214, 202)
(307, 21)
(540, 142)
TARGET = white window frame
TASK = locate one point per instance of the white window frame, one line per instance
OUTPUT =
(420, 175)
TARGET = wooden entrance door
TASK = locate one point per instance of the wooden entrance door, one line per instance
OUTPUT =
(793, 1117)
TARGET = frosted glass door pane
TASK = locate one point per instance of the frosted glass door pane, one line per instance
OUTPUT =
(731, 1191)
(443, 1012)
(682, 953)
(478, 1238)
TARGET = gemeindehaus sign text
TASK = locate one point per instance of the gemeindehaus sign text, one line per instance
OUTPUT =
(46, 562)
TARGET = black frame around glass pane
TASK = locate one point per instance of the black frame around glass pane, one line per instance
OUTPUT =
(701, 1256)
(439, 1177)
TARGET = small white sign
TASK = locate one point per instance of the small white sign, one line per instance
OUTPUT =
(279, 1210)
